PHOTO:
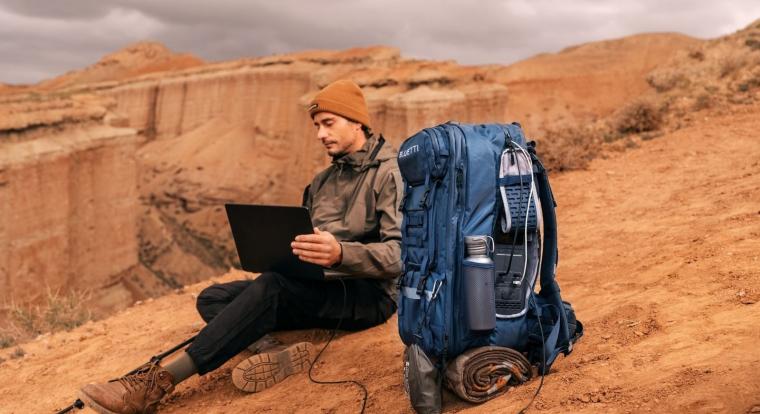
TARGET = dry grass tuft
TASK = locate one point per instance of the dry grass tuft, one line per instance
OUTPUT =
(57, 312)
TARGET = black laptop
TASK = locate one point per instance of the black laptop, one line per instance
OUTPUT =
(263, 235)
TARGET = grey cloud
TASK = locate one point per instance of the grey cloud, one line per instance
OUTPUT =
(66, 9)
(487, 31)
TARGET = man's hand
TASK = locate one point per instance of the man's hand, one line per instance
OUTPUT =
(319, 248)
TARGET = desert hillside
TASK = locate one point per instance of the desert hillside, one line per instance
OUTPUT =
(586, 82)
(659, 254)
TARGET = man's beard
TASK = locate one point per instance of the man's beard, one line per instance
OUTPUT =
(338, 152)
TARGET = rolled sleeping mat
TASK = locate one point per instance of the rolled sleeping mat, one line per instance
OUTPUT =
(481, 374)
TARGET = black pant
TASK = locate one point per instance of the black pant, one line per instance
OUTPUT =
(239, 313)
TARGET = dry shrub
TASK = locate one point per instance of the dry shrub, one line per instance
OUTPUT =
(731, 64)
(697, 55)
(6, 340)
(750, 79)
(18, 353)
(569, 147)
(703, 101)
(641, 115)
(663, 80)
(57, 312)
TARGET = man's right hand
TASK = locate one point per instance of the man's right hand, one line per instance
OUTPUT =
(320, 248)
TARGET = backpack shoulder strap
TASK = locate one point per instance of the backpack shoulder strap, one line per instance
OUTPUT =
(551, 254)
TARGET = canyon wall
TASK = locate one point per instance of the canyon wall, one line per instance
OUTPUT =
(272, 94)
(68, 210)
(240, 132)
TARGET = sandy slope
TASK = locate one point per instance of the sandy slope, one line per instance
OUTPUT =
(660, 248)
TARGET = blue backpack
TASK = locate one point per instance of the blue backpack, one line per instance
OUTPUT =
(463, 180)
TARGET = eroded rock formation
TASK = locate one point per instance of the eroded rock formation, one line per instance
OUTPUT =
(68, 210)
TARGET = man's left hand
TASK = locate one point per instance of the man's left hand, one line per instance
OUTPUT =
(320, 248)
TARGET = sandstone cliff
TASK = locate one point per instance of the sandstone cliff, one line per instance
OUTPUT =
(68, 210)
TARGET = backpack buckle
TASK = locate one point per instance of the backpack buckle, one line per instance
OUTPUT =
(421, 284)
(424, 199)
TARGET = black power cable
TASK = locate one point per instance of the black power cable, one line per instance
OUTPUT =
(543, 362)
(332, 336)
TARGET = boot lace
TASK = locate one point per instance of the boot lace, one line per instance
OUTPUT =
(145, 377)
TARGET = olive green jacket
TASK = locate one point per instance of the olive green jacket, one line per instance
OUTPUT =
(357, 200)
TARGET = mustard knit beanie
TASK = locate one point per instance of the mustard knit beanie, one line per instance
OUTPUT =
(344, 98)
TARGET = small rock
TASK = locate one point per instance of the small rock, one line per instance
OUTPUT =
(747, 301)
(638, 333)
(755, 409)
(585, 398)
(606, 336)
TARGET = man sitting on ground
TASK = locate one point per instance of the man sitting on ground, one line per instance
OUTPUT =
(354, 204)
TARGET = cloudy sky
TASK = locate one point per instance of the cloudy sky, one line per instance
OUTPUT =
(44, 38)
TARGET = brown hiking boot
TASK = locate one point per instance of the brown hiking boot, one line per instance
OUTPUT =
(137, 393)
(263, 370)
